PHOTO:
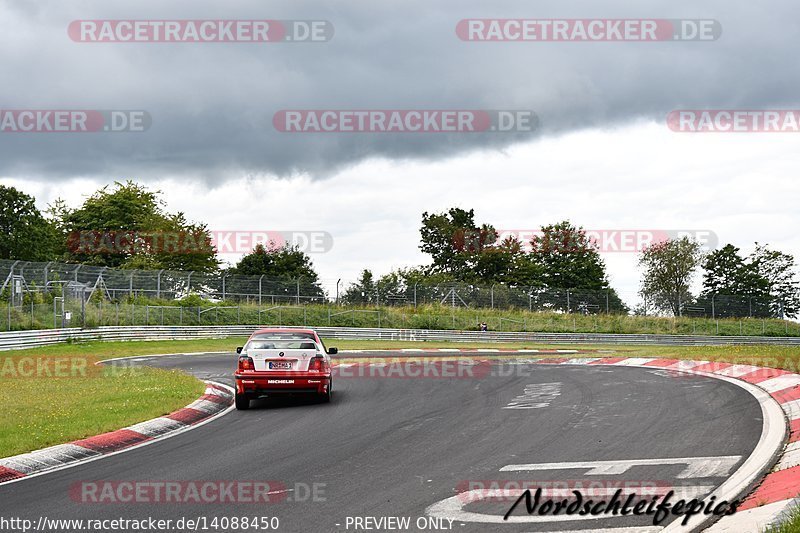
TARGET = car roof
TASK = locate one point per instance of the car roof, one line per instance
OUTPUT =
(283, 330)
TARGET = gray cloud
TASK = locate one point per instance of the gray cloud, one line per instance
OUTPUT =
(212, 104)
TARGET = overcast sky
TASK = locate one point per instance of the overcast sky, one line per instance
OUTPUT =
(602, 156)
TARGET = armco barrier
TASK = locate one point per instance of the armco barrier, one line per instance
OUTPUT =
(35, 338)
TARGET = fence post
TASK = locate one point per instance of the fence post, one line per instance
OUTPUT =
(46, 271)
(607, 309)
(259, 290)
(158, 284)
(223, 286)
(298, 291)
(130, 286)
(713, 309)
(415, 295)
(567, 300)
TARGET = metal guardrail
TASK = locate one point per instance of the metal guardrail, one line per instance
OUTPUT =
(36, 338)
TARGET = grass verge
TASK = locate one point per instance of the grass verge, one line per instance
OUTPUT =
(57, 394)
(792, 525)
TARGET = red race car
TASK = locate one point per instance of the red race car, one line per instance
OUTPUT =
(283, 361)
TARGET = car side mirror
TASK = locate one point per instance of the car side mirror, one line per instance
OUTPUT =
(333, 351)
(239, 349)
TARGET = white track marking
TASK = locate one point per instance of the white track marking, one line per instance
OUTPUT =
(695, 466)
(755, 519)
(51, 457)
(536, 396)
(581, 361)
(157, 426)
(736, 371)
(790, 457)
(780, 383)
(686, 365)
(792, 409)
(129, 357)
(634, 361)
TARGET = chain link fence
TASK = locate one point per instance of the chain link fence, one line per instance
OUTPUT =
(45, 295)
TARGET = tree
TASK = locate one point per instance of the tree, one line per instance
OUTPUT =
(455, 242)
(285, 262)
(778, 271)
(128, 227)
(362, 291)
(568, 259)
(24, 233)
(732, 285)
(668, 270)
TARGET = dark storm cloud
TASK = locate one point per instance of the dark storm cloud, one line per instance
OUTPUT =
(212, 104)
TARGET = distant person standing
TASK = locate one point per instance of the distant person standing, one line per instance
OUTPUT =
(484, 327)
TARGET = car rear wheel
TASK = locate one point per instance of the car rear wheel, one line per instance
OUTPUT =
(326, 398)
(242, 402)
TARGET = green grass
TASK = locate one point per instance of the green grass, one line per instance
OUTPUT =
(792, 525)
(43, 411)
(110, 349)
(40, 316)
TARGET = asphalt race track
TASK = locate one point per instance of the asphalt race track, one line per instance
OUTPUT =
(405, 447)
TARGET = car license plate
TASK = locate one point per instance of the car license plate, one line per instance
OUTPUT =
(280, 365)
